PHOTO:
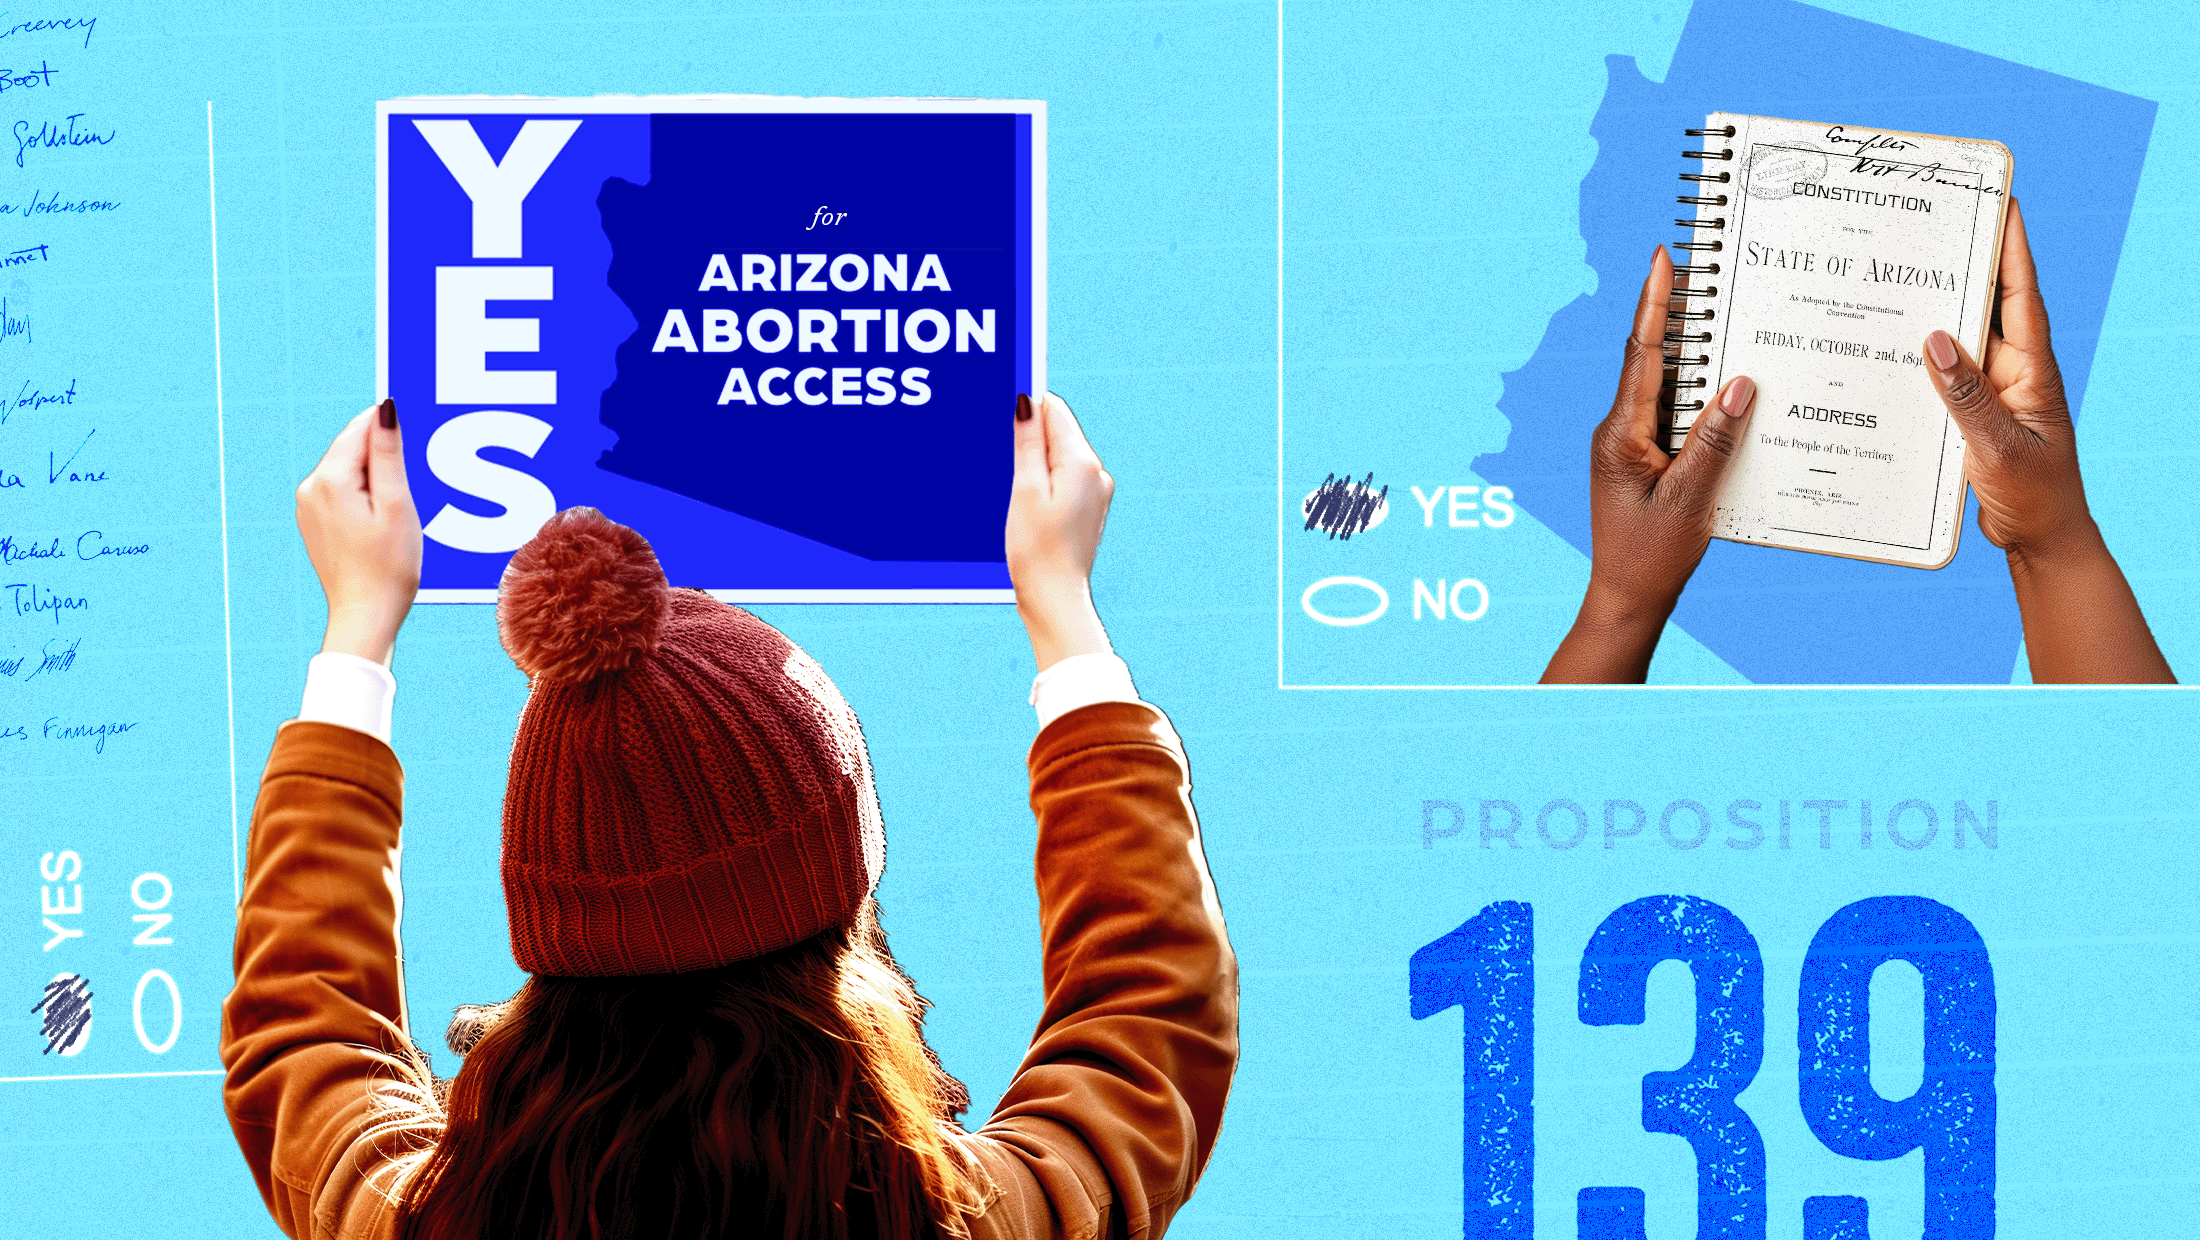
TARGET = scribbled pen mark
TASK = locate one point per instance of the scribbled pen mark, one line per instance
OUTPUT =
(1340, 507)
(68, 1008)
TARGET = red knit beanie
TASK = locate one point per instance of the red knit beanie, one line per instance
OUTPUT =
(687, 787)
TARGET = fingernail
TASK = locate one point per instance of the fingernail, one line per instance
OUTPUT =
(1738, 395)
(1023, 407)
(389, 413)
(1942, 350)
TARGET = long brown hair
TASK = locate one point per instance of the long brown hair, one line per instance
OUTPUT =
(791, 1095)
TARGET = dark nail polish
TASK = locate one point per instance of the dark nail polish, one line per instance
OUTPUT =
(1023, 407)
(389, 413)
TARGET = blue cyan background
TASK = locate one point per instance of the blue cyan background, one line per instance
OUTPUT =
(1431, 163)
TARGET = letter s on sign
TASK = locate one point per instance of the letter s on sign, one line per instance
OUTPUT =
(453, 458)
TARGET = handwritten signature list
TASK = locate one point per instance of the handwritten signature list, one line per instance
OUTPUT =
(106, 529)
(62, 597)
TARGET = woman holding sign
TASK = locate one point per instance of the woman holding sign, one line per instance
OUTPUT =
(714, 1038)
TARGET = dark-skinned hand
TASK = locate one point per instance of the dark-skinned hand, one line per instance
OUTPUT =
(1649, 512)
(2081, 621)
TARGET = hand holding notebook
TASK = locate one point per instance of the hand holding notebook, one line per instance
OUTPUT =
(2081, 621)
(2022, 459)
(1820, 257)
(1652, 518)
(1650, 511)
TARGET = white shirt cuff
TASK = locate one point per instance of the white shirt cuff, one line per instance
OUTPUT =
(1080, 680)
(347, 690)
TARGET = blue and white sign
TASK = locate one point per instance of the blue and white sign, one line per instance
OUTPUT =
(781, 337)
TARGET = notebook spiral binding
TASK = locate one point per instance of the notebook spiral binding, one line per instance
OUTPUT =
(1697, 228)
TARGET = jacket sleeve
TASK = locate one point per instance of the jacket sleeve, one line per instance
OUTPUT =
(1116, 1106)
(317, 964)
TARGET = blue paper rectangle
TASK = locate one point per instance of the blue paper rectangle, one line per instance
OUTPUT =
(780, 337)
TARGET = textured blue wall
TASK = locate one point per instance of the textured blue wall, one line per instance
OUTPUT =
(1433, 161)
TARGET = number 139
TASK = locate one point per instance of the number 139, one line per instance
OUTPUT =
(1486, 968)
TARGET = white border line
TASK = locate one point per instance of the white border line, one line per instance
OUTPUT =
(381, 249)
(221, 475)
(1279, 347)
(761, 597)
(642, 105)
(1038, 189)
(110, 1076)
(1841, 688)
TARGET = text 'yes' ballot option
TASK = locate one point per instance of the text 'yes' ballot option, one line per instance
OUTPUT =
(1343, 507)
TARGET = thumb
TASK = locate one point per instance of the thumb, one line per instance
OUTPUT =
(1712, 442)
(385, 457)
(1031, 447)
(1975, 406)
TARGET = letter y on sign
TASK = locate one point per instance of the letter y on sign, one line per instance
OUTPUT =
(497, 188)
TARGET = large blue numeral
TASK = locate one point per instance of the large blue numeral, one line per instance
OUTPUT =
(1697, 1102)
(1487, 968)
(1951, 1116)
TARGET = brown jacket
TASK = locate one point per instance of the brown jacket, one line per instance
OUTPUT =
(1103, 1131)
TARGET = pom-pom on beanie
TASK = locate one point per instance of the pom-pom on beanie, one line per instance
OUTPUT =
(687, 787)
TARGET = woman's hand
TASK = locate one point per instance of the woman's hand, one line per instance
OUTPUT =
(363, 535)
(2081, 621)
(1649, 513)
(1057, 507)
(2021, 454)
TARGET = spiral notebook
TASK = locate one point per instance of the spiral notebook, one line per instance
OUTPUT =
(1819, 258)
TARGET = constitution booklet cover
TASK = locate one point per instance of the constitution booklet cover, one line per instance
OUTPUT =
(1819, 259)
(782, 338)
